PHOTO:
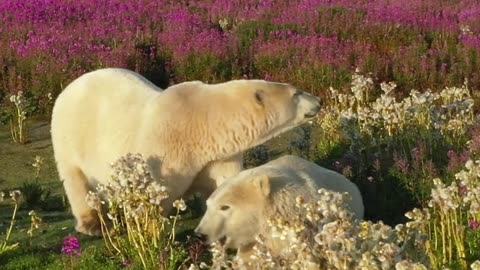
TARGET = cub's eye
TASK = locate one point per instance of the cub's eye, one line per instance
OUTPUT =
(224, 207)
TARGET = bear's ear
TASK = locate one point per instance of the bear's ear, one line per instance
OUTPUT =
(259, 95)
(262, 183)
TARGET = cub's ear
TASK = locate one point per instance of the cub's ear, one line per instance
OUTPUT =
(262, 183)
(259, 96)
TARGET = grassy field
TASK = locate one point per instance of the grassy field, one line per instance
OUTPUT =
(40, 252)
(16, 160)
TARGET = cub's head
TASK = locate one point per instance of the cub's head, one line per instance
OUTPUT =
(281, 105)
(235, 211)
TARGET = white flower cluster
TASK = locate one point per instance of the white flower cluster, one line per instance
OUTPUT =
(38, 162)
(35, 222)
(451, 209)
(463, 193)
(15, 195)
(361, 87)
(20, 103)
(446, 198)
(138, 225)
(470, 182)
(447, 112)
(223, 23)
(132, 188)
(324, 236)
(475, 265)
(37, 165)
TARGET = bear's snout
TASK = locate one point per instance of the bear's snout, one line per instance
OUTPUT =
(319, 101)
(203, 230)
(313, 111)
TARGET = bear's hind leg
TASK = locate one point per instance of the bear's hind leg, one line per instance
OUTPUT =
(76, 187)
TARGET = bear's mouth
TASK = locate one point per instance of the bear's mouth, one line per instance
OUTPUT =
(313, 112)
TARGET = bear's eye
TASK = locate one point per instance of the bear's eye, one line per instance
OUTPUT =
(224, 207)
(259, 97)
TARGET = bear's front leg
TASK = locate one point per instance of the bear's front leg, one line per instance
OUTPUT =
(214, 174)
(76, 187)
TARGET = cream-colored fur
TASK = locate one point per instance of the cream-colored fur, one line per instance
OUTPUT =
(189, 131)
(238, 209)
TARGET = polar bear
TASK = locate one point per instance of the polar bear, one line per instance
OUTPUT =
(238, 210)
(189, 131)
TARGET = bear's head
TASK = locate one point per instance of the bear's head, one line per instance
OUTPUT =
(272, 106)
(235, 211)
(287, 103)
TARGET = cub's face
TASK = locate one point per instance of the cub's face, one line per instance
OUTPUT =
(234, 211)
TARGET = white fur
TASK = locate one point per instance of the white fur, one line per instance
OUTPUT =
(189, 133)
(239, 208)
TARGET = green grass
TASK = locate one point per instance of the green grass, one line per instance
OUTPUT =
(43, 251)
(16, 160)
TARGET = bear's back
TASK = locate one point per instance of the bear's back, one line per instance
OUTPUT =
(110, 83)
(299, 171)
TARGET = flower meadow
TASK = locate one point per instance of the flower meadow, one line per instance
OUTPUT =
(314, 44)
(400, 82)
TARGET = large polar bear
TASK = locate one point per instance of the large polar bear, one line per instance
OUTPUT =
(238, 210)
(189, 131)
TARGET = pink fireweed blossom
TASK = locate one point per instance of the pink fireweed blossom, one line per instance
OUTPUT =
(71, 246)
(473, 224)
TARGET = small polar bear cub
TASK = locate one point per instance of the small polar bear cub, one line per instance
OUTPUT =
(239, 209)
(192, 134)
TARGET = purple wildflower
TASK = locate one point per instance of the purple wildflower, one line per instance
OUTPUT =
(457, 160)
(400, 163)
(195, 248)
(71, 246)
(294, 40)
(473, 224)
(462, 189)
(126, 263)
